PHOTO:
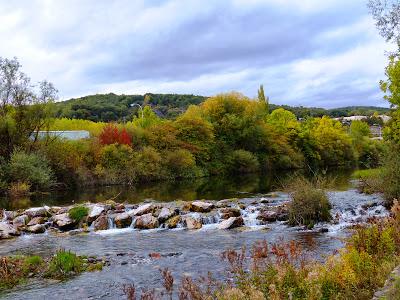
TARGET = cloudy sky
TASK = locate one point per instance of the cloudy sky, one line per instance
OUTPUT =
(310, 52)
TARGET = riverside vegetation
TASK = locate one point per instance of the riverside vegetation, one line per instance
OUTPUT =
(18, 269)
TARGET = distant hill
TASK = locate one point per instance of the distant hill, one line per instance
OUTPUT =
(302, 112)
(112, 107)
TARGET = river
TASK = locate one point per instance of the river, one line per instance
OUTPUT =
(185, 252)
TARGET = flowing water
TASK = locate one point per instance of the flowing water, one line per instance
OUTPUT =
(184, 252)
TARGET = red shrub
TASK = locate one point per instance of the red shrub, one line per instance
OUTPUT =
(111, 135)
(125, 138)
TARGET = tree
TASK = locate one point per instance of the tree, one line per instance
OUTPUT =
(25, 109)
(387, 15)
(149, 118)
(391, 86)
(359, 130)
(264, 100)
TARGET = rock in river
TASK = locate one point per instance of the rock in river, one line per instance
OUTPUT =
(192, 223)
(7, 231)
(36, 221)
(94, 212)
(123, 220)
(36, 212)
(146, 221)
(20, 221)
(63, 221)
(201, 206)
(267, 216)
(228, 212)
(230, 223)
(141, 210)
(38, 228)
(165, 214)
(173, 222)
(101, 223)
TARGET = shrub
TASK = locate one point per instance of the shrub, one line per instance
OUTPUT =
(370, 153)
(242, 161)
(117, 165)
(309, 204)
(71, 161)
(77, 213)
(19, 189)
(391, 174)
(32, 262)
(179, 163)
(64, 264)
(370, 180)
(111, 135)
(148, 164)
(32, 169)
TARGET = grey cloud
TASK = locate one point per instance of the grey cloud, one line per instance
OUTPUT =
(171, 41)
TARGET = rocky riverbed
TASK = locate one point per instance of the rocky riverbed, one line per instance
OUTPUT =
(187, 237)
(223, 215)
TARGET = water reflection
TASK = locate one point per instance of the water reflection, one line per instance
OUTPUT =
(212, 188)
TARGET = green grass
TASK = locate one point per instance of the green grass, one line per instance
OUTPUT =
(367, 173)
(371, 180)
(64, 264)
(16, 269)
(78, 213)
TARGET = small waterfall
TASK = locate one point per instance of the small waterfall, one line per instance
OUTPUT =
(206, 220)
(111, 224)
(250, 215)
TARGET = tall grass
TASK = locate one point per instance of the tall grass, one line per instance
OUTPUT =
(310, 203)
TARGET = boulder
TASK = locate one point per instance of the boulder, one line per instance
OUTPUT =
(242, 206)
(173, 222)
(63, 221)
(36, 212)
(8, 215)
(57, 210)
(201, 206)
(141, 210)
(120, 206)
(38, 228)
(123, 220)
(230, 223)
(20, 221)
(7, 231)
(36, 221)
(101, 223)
(94, 212)
(165, 214)
(223, 203)
(229, 212)
(267, 216)
(369, 205)
(146, 221)
(192, 223)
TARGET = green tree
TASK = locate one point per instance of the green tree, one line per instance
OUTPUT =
(262, 99)
(149, 118)
(25, 109)
(32, 169)
(359, 130)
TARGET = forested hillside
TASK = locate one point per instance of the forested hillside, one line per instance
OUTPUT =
(112, 107)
